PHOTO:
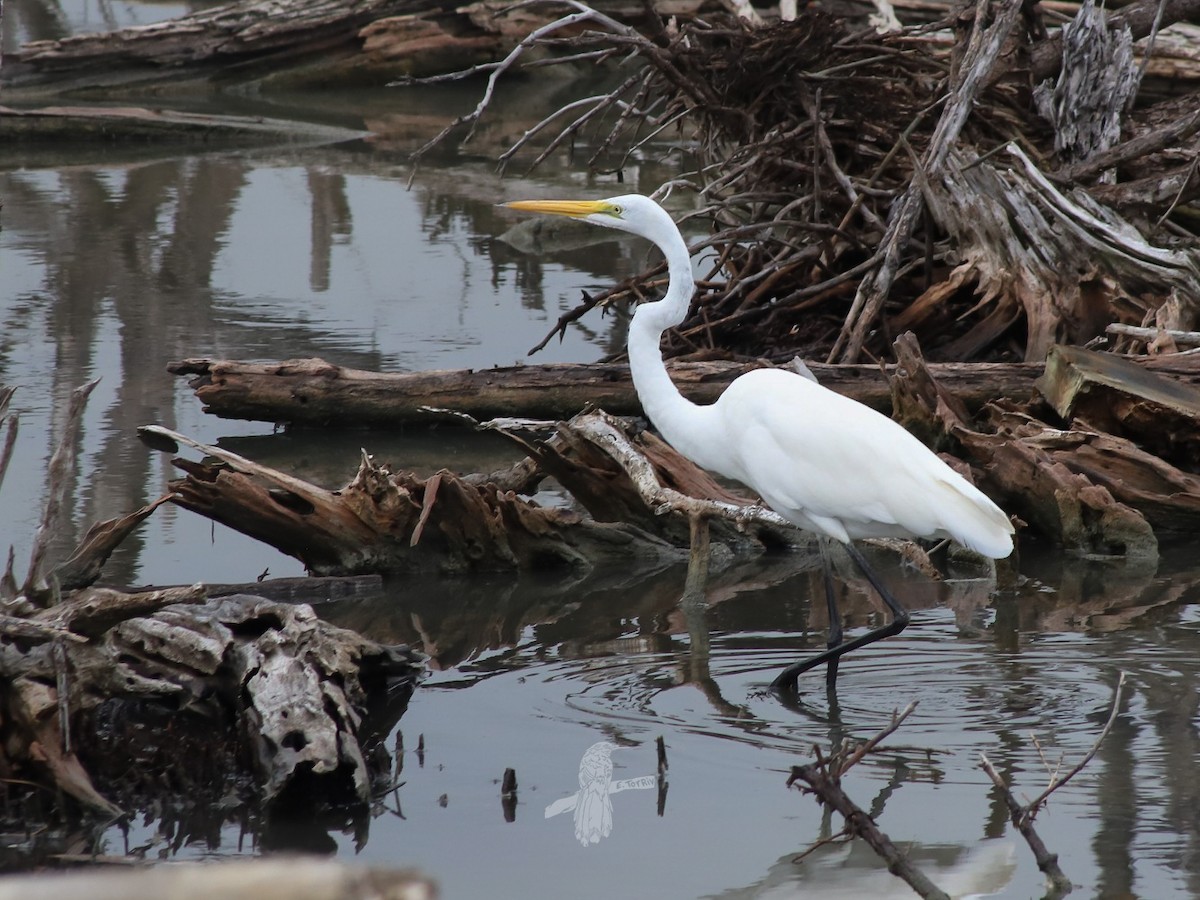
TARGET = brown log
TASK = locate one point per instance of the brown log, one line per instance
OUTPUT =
(135, 123)
(314, 392)
(384, 521)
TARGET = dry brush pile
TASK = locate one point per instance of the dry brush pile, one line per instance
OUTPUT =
(993, 186)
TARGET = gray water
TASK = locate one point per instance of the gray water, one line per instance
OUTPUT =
(114, 263)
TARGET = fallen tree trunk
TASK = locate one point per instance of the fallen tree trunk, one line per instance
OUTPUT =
(301, 43)
(637, 492)
(314, 392)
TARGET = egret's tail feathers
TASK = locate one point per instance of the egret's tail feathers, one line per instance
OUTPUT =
(972, 519)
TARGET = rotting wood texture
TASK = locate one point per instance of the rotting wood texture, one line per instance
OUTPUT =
(394, 521)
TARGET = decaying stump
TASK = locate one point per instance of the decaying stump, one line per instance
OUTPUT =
(251, 686)
(394, 521)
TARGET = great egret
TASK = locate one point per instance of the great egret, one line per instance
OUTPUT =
(824, 462)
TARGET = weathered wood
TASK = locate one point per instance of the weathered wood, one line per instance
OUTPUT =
(112, 124)
(1091, 493)
(273, 878)
(385, 521)
(269, 677)
(1061, 261)
(314, 392)
(1115, 395)
(301, 43)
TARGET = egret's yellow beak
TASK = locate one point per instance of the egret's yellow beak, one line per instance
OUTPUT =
(575, 209)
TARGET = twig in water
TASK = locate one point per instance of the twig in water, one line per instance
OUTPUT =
(1022, 816)
(824, 780)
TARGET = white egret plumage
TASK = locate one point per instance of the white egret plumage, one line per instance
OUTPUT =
(824, 462)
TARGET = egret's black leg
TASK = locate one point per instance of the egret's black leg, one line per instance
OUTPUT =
(835, 618)
(786, 680)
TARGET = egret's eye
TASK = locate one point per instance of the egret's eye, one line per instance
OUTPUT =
(616, 210)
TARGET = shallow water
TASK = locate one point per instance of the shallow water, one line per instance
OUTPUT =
(114, 264)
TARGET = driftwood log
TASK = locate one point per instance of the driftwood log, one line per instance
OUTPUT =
(637, 493)
(241, 680)
(315, 392)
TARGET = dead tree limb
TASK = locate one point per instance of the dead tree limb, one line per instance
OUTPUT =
(388, 521)
(823, 779)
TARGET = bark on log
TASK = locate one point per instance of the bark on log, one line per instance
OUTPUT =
(303, 43)
(314, 392)
(134, 123)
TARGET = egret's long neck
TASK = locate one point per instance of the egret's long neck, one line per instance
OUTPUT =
(676, 417)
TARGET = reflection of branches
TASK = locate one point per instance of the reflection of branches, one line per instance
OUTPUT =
(1023, 815)
(10, 435)
(584, 14)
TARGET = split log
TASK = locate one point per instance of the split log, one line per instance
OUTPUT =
(275, 878)
(1117, 396)
(1092, 493)
(385, 521)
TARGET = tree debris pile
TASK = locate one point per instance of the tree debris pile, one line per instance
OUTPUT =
(962, 179)
(172, 700)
